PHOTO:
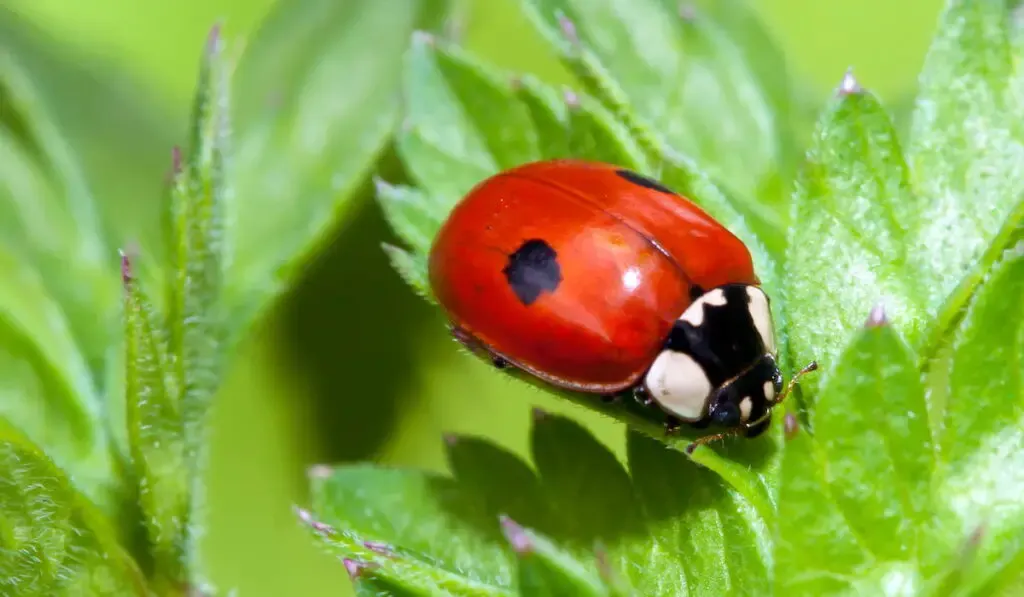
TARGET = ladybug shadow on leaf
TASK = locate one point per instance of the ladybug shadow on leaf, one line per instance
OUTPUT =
(577, 492)
(349, 329)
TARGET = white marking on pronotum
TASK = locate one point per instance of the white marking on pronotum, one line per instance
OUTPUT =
(746, 406)
(769, 391)
(678, 384)
(761, 313)
(694, 314)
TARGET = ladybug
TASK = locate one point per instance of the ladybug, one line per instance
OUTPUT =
(596, 279)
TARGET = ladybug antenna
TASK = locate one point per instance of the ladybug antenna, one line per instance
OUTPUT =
(707, 439)
(812, 366)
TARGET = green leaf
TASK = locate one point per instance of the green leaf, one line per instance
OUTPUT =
(55, 541)
(315, 111)
(506, 484)
(156, 433)
(966, 144)
(454, 539)
(848, 243)
(816, 551)
(650, 64)
(854, 504)
(548, 113)
(980, 477)
(595, 135)
(666, 527)
(47, 390)
(544, 570)
(448, 136)
(48, 213)
(879, 452)
(581, 475)
(702, 538)
(196, 225)
(112, 125)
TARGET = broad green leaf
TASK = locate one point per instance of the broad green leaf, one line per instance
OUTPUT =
(506, 484)
(115, 128)
(428, 519)
(679, 76)
(544, 570)
(668, 527)
(871, 425)
(453, 132)
(54, 541)
(549, 114)
(589, 489)
(316, 109)
(966, 144)
(982, 438)
(701, 537)
(848, 243)
(47, 390)
(594, 134)
(156, 432)
(47, 214)
(816, 552)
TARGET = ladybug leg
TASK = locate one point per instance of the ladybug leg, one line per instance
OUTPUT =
(611, 398)
(672, 425)
(707, 439)
(499, 363)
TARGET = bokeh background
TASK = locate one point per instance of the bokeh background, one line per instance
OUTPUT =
(352, 365)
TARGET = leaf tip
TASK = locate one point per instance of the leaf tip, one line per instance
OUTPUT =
(539, 414)
(214, 39)
(877, 317)
(126, 267)
(790, 426)
(355, 568)
(423, 38)
(381, 186)
(318, 471)
(516, 535)
(571, 99)
(306, 518)
(568, 29)
(849, 84)
(380, 548)
(176, 165)
(604, 565)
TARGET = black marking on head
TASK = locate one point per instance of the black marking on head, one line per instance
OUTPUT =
(726, 415)
(640, 179)
(732, 354)
(696, 292)
(726, 342)
(532, 269)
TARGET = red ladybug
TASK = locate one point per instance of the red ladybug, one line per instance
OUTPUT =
(597, 279)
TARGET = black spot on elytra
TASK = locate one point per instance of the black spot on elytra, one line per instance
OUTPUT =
(532, 269)
(640, 179)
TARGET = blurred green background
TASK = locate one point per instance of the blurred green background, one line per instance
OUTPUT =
(336, 375)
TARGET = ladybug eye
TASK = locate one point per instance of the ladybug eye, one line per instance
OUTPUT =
(726, 414)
